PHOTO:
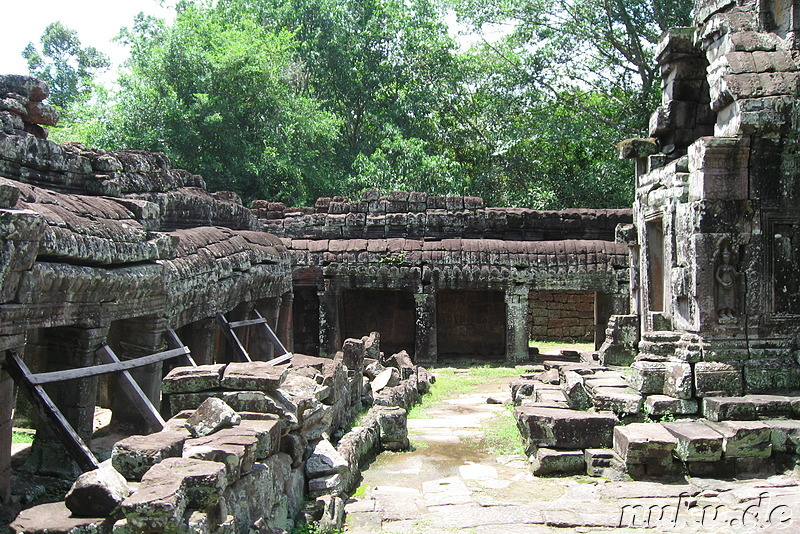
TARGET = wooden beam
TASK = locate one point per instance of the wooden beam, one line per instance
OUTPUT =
(271, 335)
(248, 322)
(134, 392)
(232, 338)
(280, 359)
(173, 339)
(75, 446)
(86, 372)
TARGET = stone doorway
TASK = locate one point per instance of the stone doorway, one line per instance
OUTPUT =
(471, 324)
(390, 312)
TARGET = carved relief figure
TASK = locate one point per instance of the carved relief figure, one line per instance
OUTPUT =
(726, 277)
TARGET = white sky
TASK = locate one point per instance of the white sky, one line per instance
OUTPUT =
(96, 21)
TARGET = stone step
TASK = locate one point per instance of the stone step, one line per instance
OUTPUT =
(564, 429)
(751, 407)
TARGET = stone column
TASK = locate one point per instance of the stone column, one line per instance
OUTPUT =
(425, 350)
(7, 402)
(517, 334)
(60, 348)
(602, 312)
(135, 338)
(285, 331)
(201, 338)
(329, 335)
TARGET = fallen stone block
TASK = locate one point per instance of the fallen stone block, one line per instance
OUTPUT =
(305, 387)
(268, 431)
(389, 377)
(212, 415)
(552, 395)
(521, 389)
(234, 447)
(193, 379)
(659, 405)
(597, 461)
(784, 435)
(169, 489)
(771, 406)
(563, 462)
(253, 376)
(728, 409)
(97, 493)
(647, 377)
(620, 400)
(327, 485)
(52, 518)
(640, 443)
(697, 442)
(744, 439)
(353, 353)
(724, 468)
(575, 391)
(610, 381)
(678, 380)
(402, 362)
(134, 455)
(565, 429)
(755, 467)
(392, 428)
(771, 375)
(325, 460)
(718, 379)
(239, 401)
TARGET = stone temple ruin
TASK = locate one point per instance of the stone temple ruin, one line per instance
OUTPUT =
(692, 300)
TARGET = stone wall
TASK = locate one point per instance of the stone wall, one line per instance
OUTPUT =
(562, 315)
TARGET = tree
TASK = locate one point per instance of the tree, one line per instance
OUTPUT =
(224, 99)
(67, 67)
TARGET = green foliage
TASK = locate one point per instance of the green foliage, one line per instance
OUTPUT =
(21, 437)
(67, 67)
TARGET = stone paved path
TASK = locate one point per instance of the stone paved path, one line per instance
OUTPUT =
(448, 484)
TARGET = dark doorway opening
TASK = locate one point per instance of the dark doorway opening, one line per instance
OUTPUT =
(471, 324)
(305, 320)
(390, 312)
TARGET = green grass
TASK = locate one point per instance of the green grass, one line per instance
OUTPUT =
(500, 435)
(20, 436)
(453, 382)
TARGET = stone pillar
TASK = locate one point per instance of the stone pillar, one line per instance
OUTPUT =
(259, 345)
(425, 350)
(134, 338)
(60, 348)
(517, 334)
(285, 330)
(602, 312)
(202, 339)
(7, 402)
(329, 334)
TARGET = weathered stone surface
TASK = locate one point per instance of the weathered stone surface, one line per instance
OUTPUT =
(134, 455)
(565, 429)
(212, 415)
(326, 485)
(389, 377)
(171, 487)
(597, 461)
(325, 460)
(575, 391)
(678, 380)
(728, 408)
(97, 493)
(234, 447)
(563, 462)
(253, 376)
(192, 379)
(718, 379)
(392, 428)
(640, 443)
(744, 439)
(647, 377)
(305, 387)
(696, 442)
(27, 86)
(620, 400)
(55, 518)
(659, 405)
(402, 362)
(353, 353)
(268, 431)
(785, 435)
(771, 406)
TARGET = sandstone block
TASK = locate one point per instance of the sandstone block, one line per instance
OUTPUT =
(771, 406)
(640, 443)
(389, 377)
(133, 456)
(678, 380)
(785, 435)
(696, 442)
(268, 431)
(170, 488)
(575, 391)
(392, 428)
(193, 379)
(327, 485)
(234, 447)
(212, 415)
(728, 408)
(659, 405)
(771, 375)
(55, 517)
(718, 379)
(325, 460)
(563, 462)
(647, 377)
(620, 400)
(97, 493)
(353, 353)
(744, 439)
(597, 461)
(253, 376)
(565, 429)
